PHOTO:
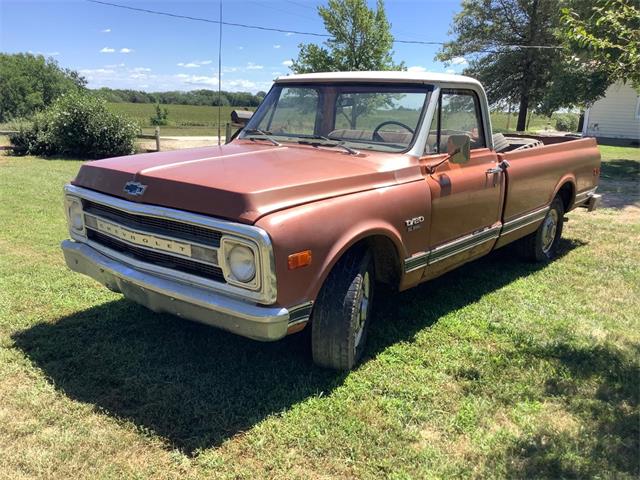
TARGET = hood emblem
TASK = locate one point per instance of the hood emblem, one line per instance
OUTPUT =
(134, 188)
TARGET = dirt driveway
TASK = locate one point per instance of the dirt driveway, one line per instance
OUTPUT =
(179, 142)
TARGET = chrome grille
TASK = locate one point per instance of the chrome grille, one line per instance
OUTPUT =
(157, 258)
(162, 226)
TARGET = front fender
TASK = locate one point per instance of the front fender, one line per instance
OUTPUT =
(330, 227)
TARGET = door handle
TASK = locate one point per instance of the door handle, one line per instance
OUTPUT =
(501, 167)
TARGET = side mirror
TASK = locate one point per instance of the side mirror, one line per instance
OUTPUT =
(459, 148)
(241, 117)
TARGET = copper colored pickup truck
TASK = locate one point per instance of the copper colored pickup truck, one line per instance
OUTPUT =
(338, 182)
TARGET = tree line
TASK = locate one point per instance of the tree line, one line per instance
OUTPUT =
(193, 97)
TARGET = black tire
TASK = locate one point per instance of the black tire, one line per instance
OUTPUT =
(536, 247)
(338, 337)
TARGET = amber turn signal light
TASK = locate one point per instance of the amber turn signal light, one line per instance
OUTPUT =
(299, 259)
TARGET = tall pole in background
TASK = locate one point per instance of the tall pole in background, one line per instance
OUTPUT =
(220, 76)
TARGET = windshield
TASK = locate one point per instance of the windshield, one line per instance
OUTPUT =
(363, 116)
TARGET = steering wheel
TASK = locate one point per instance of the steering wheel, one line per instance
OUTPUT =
(376, 136)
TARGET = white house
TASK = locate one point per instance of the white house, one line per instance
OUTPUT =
(615, 116)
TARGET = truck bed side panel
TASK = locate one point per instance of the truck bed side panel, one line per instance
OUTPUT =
(536, 174)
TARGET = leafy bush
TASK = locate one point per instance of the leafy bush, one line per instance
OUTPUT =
(566, 122)
(78, 125)
(161, 117)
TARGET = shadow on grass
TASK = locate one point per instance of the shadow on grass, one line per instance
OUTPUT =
(599, 385)
(621, 169)
(196, 386)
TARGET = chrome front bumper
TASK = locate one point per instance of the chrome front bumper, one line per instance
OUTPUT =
(194, 303)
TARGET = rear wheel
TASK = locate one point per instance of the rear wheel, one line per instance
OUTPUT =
(542, 245)
(342, 312)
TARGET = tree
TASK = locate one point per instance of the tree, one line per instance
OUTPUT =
(513, 49)
(360, 40)
(604, 35)
(30, 83)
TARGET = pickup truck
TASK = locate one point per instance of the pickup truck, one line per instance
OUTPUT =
(339, 182)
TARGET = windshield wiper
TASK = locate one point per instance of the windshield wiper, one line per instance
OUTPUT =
(266, 136)
(340, 144)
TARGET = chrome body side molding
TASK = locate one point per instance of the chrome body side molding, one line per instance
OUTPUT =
(462, 244)
(459, 245)
(524, 220)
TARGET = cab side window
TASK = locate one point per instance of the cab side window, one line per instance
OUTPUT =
(458, 113)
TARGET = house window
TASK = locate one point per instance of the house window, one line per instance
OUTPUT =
(638, 108)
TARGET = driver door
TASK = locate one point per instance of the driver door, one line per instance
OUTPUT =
(465, 198)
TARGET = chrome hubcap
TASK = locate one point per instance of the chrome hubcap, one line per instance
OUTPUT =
(363, 310)
(549, 228)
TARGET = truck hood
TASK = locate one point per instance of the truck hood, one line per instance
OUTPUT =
(243, 181)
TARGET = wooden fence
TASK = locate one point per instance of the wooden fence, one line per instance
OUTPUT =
(230, 130)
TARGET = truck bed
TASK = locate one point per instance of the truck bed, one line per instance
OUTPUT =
(536, 174)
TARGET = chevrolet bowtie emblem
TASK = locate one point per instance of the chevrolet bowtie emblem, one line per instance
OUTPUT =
(134, 188)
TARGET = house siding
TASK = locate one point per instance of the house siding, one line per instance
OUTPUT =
(615, 115)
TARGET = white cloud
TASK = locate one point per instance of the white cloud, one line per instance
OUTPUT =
(107, 50)
(459, 61)
(46, 54)
(140, 69)
(276, 74)
(289, 34)
(287, 63)
(240, 48)
(277, 46)
(96, 71)
(200, 80)
(416, 69)
(126, 50)
(253, 66)
(450, 70)
(106, 30)
(195, 63)
(115, 65)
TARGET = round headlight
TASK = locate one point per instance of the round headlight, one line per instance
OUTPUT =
(242, 263)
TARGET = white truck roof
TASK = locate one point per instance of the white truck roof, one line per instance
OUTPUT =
(381, 76)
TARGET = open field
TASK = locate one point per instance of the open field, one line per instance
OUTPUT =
(200, 120)
(188, 120)
(501, 369)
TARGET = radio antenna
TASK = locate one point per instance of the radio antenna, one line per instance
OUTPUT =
(220, 76)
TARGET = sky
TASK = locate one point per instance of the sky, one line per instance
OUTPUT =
(117, 48)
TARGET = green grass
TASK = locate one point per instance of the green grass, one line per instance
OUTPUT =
(500, 369)
(183, 119)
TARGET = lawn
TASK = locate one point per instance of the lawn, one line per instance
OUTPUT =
(501, 369)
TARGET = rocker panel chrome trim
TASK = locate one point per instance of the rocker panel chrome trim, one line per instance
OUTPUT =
(450, 249)
(524, 220)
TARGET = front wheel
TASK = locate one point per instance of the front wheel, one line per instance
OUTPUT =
(542, 245)
(342, 312)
